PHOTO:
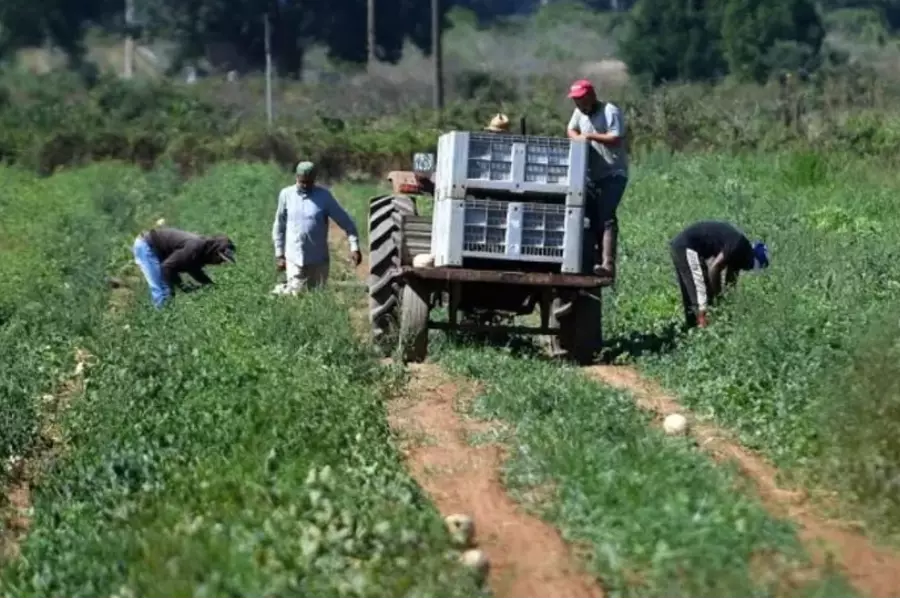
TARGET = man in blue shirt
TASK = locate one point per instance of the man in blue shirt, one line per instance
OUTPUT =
(300, 231)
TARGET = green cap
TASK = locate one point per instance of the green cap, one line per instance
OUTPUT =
(305, 168)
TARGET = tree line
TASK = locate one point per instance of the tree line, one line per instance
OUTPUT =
(662, 40)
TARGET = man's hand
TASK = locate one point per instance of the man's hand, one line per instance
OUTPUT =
(280, 263)
(356, 258)
(701, 319)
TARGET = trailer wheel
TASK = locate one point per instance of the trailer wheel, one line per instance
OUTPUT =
(581, 327)
(385, 260)
(414, 309)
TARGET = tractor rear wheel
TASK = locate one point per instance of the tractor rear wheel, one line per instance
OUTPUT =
(581, 327)
(386, 251)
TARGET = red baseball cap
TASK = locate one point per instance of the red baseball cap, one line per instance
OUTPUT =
(580, 88)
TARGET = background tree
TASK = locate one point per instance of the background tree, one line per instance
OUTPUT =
(33, 22)
(758, 34)
(669, 41)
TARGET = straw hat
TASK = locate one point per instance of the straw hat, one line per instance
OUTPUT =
(499, 123)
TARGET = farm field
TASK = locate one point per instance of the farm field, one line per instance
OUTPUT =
(240, 444)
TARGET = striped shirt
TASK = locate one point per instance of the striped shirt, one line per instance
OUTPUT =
(300, 231)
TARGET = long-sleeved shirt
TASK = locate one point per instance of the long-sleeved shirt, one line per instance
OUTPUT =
(300, 231)
(185, 252)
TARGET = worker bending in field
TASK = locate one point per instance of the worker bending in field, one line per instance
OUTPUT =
(603, 125)
(702, 254)
(163, 253)
(300, 231)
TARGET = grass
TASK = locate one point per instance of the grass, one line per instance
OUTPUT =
(237, 444)
(58, 239)
(659, 518)
(788, 363)
(233, 444)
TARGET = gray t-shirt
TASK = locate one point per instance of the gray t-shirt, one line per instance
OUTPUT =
(605, 160)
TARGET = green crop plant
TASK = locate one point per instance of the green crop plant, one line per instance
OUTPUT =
(57, 238)
(782, 345)
(233, 444)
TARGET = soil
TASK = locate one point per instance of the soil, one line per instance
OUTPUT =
(528, 558)
(873, 571)
(23, 472)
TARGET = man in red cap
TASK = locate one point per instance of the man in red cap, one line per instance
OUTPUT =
(603, 125)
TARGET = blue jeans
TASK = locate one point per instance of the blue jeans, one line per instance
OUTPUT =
(152, 270)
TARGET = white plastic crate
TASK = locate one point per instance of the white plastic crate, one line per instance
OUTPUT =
(490, 162)
(515, 231)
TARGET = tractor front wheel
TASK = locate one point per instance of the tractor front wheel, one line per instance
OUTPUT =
(414, 309)
(581, 327)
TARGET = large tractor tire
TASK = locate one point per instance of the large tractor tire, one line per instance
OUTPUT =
(581, 327)
(386, 256)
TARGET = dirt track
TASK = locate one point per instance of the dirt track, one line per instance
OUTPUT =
(871, 570)
(528, 557)
(23, 471)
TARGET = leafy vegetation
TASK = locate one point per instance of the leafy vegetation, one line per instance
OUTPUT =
(658, 516)
(58, 239)
(237, 443)
(234, 444)
(750, 39)
(54, 120)
(799, 358)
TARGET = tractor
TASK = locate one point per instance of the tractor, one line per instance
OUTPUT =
(508, 234)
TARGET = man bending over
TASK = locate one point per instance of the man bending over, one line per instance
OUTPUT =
(702, 253)
(163, 253)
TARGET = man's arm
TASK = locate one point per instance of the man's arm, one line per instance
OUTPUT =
(615, 131)
(182, 260)
(715, 274)
(572, 129)
(731, 277)
(279, 226)
(200, 275)
(340, 216)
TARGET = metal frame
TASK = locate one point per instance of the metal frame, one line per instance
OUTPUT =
(559, 280)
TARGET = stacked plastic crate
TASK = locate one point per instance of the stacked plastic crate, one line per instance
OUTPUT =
(509, 197)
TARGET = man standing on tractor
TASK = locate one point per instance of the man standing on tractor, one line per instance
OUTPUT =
(702, 253)
(300, 231)
(603, 125)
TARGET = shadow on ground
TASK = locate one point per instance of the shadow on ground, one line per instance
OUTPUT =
(629, 345)
(638, 343)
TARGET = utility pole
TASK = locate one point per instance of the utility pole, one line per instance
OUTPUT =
(128, 68)
(370, 32)
(268, 32)
(437, 57)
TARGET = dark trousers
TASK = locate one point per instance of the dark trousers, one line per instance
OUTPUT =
(693, 279)
(602, 203)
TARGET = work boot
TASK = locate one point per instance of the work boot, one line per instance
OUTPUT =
(607, 267)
